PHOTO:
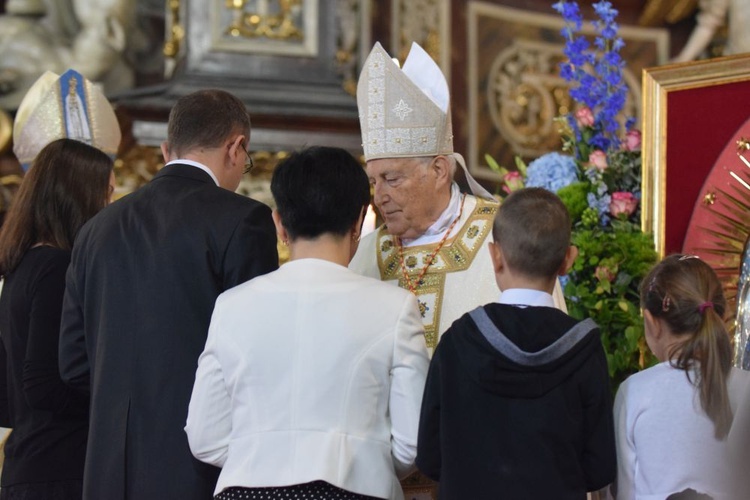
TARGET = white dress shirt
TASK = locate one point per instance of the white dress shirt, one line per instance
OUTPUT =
(526, 297)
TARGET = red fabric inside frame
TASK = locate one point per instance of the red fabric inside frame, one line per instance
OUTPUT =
(699, 123)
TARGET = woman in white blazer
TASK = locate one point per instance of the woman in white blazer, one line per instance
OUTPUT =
(311, 381)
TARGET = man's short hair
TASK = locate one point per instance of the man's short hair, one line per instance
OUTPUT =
(532, 226)
(205, 119)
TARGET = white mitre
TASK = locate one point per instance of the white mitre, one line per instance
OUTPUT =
(65, 106)
(405, 113)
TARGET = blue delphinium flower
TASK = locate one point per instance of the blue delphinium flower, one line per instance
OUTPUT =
(552, 171)
(570, 12)
(596, 77)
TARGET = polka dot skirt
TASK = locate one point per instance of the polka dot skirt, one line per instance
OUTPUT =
(317, 490)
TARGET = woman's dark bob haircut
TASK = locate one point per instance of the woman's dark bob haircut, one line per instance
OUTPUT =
(320, 190)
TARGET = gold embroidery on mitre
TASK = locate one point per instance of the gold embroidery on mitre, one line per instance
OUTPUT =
(457, 255)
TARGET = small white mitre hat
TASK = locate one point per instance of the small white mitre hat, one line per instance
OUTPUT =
(406, 112)
(65, 106)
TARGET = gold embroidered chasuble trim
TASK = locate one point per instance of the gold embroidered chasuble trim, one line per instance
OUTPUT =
(457, 254)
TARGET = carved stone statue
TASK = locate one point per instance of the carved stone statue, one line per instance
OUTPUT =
(41, 35)
(713, 14)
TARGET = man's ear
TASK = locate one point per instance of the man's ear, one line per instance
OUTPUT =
(443, 170)
(496, 254)
(570, 257)
(165, 151)
(235, 148)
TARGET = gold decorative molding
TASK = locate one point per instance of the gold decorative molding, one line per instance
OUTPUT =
(658, 83)
(6, 130)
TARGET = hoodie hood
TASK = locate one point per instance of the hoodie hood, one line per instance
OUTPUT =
(523, 352)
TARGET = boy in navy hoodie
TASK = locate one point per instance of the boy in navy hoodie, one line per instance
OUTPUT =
(517, 403)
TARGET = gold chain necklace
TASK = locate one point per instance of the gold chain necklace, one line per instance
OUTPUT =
(412, 286)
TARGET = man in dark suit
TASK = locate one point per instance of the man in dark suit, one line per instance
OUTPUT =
(141, 286)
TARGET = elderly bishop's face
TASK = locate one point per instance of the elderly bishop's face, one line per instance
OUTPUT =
(405, 192)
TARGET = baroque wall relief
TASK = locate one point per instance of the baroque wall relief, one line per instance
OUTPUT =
(525, 94)
(515, 90)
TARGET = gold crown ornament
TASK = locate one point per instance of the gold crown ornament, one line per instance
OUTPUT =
(64, 106)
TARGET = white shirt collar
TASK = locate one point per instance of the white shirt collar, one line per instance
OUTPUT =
(195, 164)
(526, 297)
(436, 231)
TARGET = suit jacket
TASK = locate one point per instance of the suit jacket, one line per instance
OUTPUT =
(326, 384)
(144, 276)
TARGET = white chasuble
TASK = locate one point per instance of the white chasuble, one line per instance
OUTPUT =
(460, 278)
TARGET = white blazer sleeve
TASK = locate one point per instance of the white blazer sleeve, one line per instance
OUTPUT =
(209, 420)
(626, 459)
(408, 374)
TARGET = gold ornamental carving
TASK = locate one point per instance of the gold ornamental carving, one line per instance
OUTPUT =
(6, 130)
(525, 94)
(275, 20)
(175, 34)
(273, 27)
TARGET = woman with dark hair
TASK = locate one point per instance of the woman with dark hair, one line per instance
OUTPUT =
(311, 381)
(672, 420)
(66, 185)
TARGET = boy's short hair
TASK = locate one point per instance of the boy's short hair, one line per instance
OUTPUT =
(532, 226)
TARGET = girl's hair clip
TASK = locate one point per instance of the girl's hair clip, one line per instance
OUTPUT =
(666, 303)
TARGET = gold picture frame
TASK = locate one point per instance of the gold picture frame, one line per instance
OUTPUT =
(701, 94)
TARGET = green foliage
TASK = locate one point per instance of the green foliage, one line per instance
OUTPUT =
(603, 198)
(574, 198)
(603, 285)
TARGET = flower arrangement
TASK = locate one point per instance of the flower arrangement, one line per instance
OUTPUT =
(598, 177)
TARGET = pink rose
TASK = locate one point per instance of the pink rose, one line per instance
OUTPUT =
(622, 202)
(633, 140)
(598, 159)
(513, 182)
(584, 117)
(604, 273)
